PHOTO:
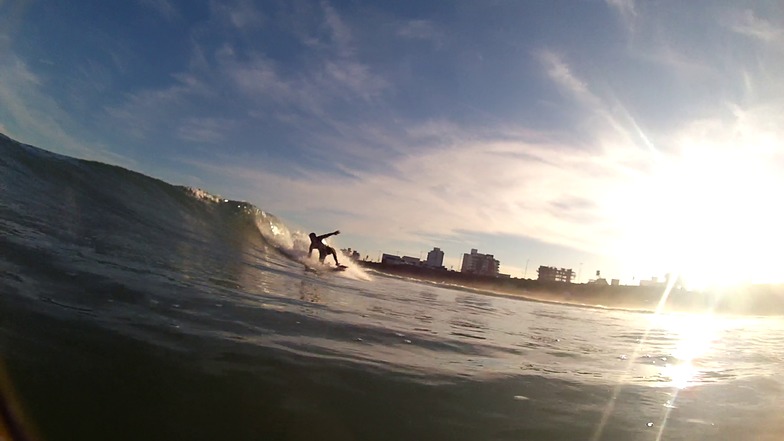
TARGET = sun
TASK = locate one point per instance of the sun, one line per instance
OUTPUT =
(708, 214)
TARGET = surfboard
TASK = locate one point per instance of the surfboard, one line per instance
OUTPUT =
(339, 268)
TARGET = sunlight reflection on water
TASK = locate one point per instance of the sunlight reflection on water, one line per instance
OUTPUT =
(694, 338)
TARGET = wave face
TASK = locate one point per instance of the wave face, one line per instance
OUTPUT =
(61, 213)
(135, 309)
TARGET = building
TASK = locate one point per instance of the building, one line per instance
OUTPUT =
(553, 274)
(653, 282)
(435, 258)
(677, 283)
(353, 254)
(391, 259)
(480, 264)
(408, 260)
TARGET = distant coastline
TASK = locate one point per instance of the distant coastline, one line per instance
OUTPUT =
(743, 300)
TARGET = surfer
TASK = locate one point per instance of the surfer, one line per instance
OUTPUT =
(323, 249)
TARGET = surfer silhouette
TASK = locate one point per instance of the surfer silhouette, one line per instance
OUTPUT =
(316, 243)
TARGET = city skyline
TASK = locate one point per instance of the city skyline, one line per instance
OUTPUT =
(541, 272)
(467, 264)
(630, 137)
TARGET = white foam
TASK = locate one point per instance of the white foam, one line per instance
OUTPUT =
(355, 272)
(205, 196)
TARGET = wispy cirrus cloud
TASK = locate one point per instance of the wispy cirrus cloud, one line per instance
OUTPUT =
(204, 130)
(34, 117)
(259, 77)
(331, 75)
(340, 33)
(355, 77)
(591, 108)
(561, 73)
(420, 29)
(163, 7)
(11, 14)
(242, 15)
(144, 111)
(749, 24)
(344, 72)
(627, 9)
(680, 63)
(509, 187)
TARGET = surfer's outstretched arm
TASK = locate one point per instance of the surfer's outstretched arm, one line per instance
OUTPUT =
(324, 236)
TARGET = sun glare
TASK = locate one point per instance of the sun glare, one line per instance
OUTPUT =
(706, 215)
(696, 333)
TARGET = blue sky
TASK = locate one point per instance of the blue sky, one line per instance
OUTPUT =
(634, 138)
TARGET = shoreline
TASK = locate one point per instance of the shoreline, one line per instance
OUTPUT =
(515, 296)
(762, 300)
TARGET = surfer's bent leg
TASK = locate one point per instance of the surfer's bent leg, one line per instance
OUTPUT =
(335, 255)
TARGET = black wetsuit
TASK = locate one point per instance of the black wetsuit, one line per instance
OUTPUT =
(316, 242)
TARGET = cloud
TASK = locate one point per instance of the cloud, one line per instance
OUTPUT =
(340, 33)
(626, 9)
(328, 89)
(309, 91)
(241, 14)
(204, 130)
(147, 110)
(601, 116)
(34, 117)
(680, 63)
(422, 30)
(516, 188)
(354, 77)
(560, 72)
(747, 23)
(259, 77)
(327, 83)
(10, 22)
(163, 7)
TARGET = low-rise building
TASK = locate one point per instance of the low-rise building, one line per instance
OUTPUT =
(408, 260)
(391, 259)
(553, 274)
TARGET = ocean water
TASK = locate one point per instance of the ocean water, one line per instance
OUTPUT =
(132, 309)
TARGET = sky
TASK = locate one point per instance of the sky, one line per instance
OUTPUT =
(635, 138)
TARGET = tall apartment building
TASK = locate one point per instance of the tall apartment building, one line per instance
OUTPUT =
(480, 264)
(435, 258)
